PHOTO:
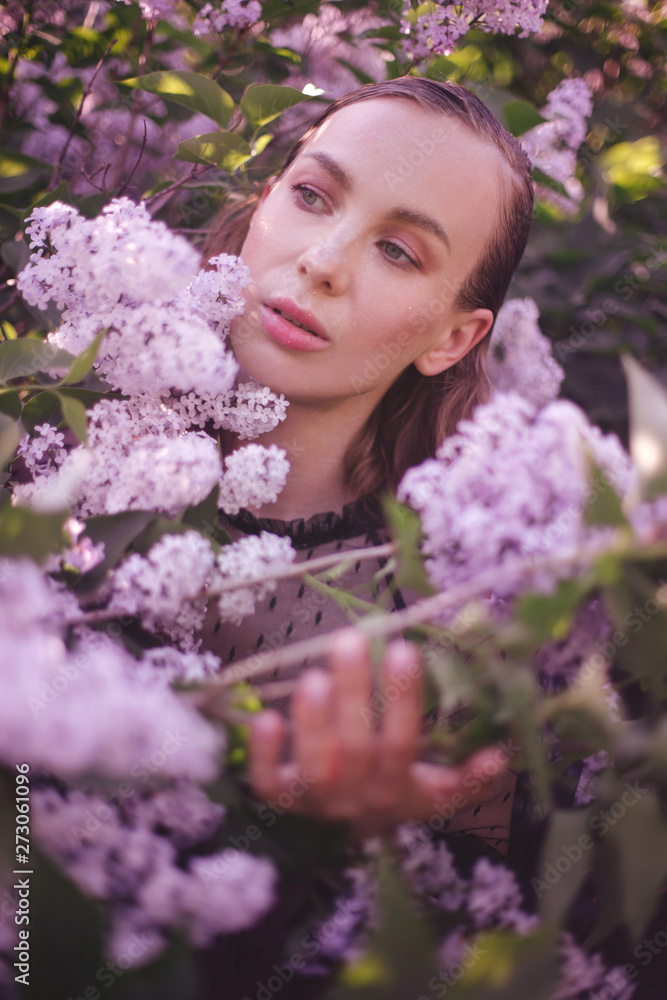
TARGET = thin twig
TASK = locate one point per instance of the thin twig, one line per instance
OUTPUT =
(310, 566)
(77, 117)
(305, 568)
(196, 171)
(132, 172)
(376, 626)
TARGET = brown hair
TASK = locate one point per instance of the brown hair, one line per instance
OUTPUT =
(418, 411)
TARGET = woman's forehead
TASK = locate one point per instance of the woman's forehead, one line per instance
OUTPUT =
(393, 150)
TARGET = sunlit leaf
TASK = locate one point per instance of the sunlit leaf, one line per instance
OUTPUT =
(10, 403)
(263, 102)
(648, 427)
(74, 414)
(225, 149)
(604, 503)
(10, 436)
(634, 167)
(18, 171)
(84, 363)
(192, 90)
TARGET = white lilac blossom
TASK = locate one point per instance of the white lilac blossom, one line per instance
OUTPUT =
(250, 557)
(230, 14)
(512, 484)
(249, 409)
(253, 476)
(138, 457)
(131, 851)
(166, 586)
(439, 30)
(83, 708)
(552, 145)
(164, 346)
(519, 356)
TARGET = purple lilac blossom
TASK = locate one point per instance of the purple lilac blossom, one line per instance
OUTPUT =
(511, 483)
(519, 356)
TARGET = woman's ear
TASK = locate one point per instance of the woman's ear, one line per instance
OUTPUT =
(455, 342)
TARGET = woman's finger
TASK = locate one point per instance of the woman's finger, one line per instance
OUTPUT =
(264, 745)
(350, 665)
(398, 739)
(434, 787)
(314, 740)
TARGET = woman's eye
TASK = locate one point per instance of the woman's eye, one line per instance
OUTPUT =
(308, 196)
(394, 252)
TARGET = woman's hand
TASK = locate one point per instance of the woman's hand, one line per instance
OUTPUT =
(346, 768)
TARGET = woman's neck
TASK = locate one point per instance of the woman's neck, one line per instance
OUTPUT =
(315, 438)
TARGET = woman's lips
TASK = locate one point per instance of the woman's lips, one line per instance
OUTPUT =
(288, 334)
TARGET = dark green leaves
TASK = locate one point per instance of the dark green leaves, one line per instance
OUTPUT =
(520, 116)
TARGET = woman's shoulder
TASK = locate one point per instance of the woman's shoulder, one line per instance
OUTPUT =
(363, 516)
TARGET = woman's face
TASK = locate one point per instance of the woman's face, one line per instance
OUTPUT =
(367, 238)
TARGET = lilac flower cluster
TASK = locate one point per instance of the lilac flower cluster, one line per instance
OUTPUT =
(131, 850)
(519, 357)
(50, 688)
(512, 483)
(437, 32)
(552, 145)
(164, 346)
(230, 14)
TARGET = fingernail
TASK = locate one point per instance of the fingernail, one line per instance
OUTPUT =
(318, 687)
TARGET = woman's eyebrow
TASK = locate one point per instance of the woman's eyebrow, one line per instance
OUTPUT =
(344, 179)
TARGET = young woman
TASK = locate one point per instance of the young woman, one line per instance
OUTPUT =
(380, 255)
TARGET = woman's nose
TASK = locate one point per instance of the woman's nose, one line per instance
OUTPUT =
(326, 264)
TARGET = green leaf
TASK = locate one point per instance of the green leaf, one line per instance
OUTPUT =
(192, 90)
(634, 167)
(400, 958)
(640, 640)
(225, 149)
(10, 436)
(117, 531)
(60, 193)
(44, 408)
(548, 182)
(648, 428)
(18, 171)
(25, 357)
(406, 530)
(263, 102)
(604, 503)
(520, 116)
(74, 413)
(557, 881)
(550, 615)
(203, 517)
(24, 532)
(509, 967)
(640, 836)
(10, 403)
(83, 364)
